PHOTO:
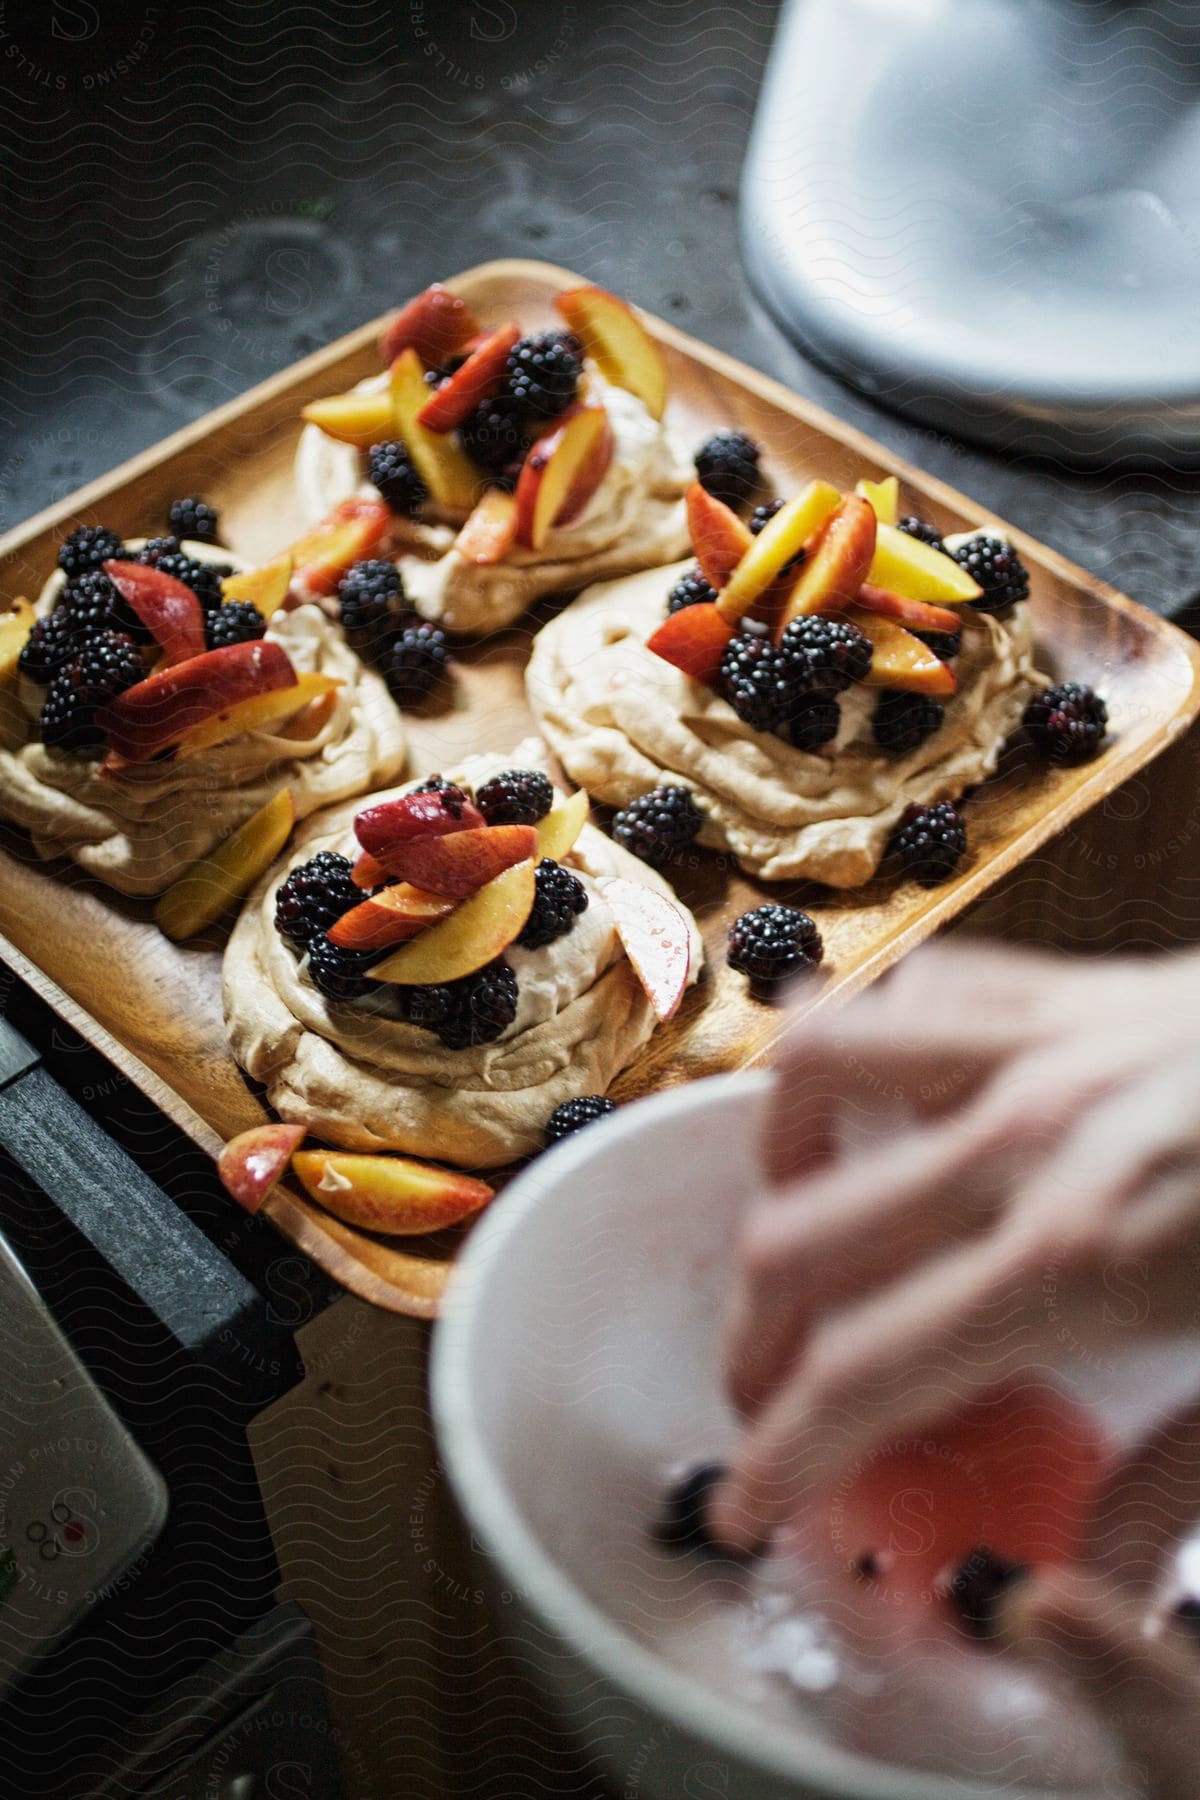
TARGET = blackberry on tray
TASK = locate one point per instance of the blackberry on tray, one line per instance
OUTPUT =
(772, 943)
(573, 1115)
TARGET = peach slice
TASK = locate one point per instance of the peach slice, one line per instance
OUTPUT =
(361, 419)
(907, 566)
(618, 343)
(883, 498)
(368, 872)
(719, 538)
(776, 544)
(918, 615)
(251, 1163)
(480, 376)
(444, 467)
(157, 712)
(15, 627)
(475, 933)
(460, 864)
(836, 564)
(265, 587)
(350, 531)
(199, 897)
(561, 473)
(396, 1195)
(400, 912)
(694, 640)
(259, 713)
(491, 531)
(557, 832)
(436, 324)
(170, 611)
(655, 937)
(381, 827)
(900, 660)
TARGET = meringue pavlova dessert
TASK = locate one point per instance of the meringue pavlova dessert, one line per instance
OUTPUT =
(511, 465)
(156, 702)
(440, 970)
(826, 683)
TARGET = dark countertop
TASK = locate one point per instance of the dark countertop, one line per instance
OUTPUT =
(200, 194)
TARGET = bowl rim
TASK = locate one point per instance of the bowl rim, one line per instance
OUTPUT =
(544, 1586)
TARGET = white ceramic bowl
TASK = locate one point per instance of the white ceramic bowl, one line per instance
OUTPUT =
(575, 1362)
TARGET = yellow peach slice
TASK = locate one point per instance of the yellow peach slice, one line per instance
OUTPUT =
(836, 564)
(358, 419)
(198, 898)
(572, 454)
(393, 1194)
(265, 587)
(775, 545)
(561, 826)
(882, 496)
(476, 931)
(618, 343)
(900, 660)
(918, 571)
(443, 466)
(258, 713)
(15, 627)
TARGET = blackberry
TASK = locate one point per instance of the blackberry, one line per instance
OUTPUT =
(104, 667)
(49, 645)
(427, 1007)
(977, 1586)
(824, 656)
(87, 547)
(944, 644)
(682, 1525)
(339, 974)
(516, 797)
(194, 519)
(436, 378)
(813, 721)
(727, 465)
(418, 661)
(371, 603)
(573, 1115)
(1187, 1616)
(391, 474)
(1068, 723)
(203, 578)
(66, 720)
(236, 622)
(658, 825)
(902, 721)
(493, 436)
(918, 528)
(997, 568)
(559, 899)
(753, 677)
(690, 590)
(92, 603)
(772, 943)
(543, 373)
(929, 842)
(314, 897)
(762, 515)
(481, 1007)
(157, 547)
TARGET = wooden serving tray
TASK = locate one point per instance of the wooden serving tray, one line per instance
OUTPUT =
(154, 1007)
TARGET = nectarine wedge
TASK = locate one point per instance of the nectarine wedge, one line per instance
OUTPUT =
(491, 531)
(618, 343)
(475, 933)
(400, 912)
(779, 540)
(918, 615)
(836, 564)
(693, 639)
(350, 531)
(261, 712)
(210, 886)
(557, 832)
(474, 380)
(654, 934)
(452, 479)
(251, 1163)
(435, 323)
(361, 419)
(170, 611)
(396, 1195)
(265, 587)
(157, 712)
(460, 864)
(380, 827)
(883, 497)
(561, 473)
(719, 538)
(368, 872)
(907, 566)
(900, 660)
(15, 627)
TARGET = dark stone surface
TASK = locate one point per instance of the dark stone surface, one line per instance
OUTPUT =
(198, 194)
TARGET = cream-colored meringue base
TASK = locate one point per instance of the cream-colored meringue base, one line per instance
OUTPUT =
(361, 1078)
(622, 720)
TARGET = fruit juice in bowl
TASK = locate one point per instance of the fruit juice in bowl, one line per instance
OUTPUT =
(577, 1370)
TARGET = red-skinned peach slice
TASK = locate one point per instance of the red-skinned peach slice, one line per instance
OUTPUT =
(361, 419)
(157, 712)
(491, 531)
(719, 538)
(350, 531)
(900, 660)
(251, 1163)
(445, 468)
(368, 872)
(170, 612)
(261, 712)
(265, 587)
(436, 324)
(694, 640)
(655, 937)
(400, 912)
(561, 473)
(905, 565)
(211, 886)
(766, 555)
(381, 827)
(479, 929)
(558, 831)
(477, 379)
(918, 615)
(459, 865)
(618, 343)
(836, 565)
(396, 1195)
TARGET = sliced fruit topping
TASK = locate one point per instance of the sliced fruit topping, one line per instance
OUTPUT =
(491, 531)
(157, 712)
(357, 418)
(481, 376)
(719, 537)
(265, 587)
(558, 831)
(400, 912)
(836, 565)
(15, 627)
(909, 567)
(918, 615)
(170, 612)
(883, 497)
(561, 473)
(392, 1194)
(473, 935)
(381, 827)
(251, 1163)
(348, 533)
(266, 712)
(694, 640)
(199, 897)
(460, 864)
(438, 459)
(900, 660)
(655, 938)
(618, 343)
(781, 538)
(368, 872)
(436, 324)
